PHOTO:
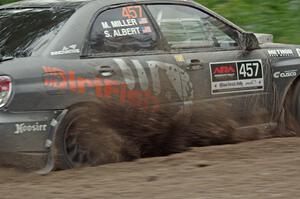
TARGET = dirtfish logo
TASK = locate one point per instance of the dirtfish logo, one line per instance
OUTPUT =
(23, 128)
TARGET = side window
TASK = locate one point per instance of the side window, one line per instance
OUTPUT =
(124, 29)
(185, 27)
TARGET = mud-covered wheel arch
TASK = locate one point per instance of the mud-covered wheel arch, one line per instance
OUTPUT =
(83, 140)
(292, 107)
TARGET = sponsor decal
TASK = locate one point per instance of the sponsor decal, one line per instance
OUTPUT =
(25, 128)
(224, 72)
(140, 85)
(72, 49)
(281, 53)
(298, 51)
(131, 12)
(95, 86)
(285, 74)
(238, 76)
(179, 58)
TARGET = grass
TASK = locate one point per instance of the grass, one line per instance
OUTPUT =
(280, 18)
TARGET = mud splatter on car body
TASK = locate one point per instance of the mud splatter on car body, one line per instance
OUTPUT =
(167, 84)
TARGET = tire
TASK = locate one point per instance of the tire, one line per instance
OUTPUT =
(82, 140)
(293, 110)
(296, 103)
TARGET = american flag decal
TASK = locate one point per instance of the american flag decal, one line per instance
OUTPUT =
(146, 29)
(143, 21)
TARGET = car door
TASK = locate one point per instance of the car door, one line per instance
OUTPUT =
(221, 73)
(126, 53)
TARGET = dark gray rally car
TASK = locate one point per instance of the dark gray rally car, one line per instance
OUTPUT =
(60, 57)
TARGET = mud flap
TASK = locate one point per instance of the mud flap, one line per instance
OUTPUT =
(50, 165)
(282, 121)
(285, 124)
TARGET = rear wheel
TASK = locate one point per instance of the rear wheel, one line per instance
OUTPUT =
(83, 141)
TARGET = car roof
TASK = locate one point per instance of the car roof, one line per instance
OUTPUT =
(46, 3)
(73, 3)
(76, 4)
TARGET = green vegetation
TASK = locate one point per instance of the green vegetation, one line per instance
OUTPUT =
(6, 1)
(280, 18)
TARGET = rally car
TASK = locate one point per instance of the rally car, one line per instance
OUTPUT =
(60, 57)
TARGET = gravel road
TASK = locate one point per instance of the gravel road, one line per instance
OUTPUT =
(260, 169)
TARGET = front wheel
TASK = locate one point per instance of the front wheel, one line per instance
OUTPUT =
(293, 110)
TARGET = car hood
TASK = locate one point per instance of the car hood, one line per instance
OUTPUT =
(278, 45)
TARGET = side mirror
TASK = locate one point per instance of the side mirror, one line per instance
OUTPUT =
(248, 41)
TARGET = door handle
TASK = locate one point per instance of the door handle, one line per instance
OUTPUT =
(105, 71)
(195, 64)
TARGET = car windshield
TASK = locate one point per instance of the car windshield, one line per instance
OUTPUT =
(22, 31)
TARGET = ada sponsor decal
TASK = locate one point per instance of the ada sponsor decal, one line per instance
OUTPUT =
(281, 53)
(224, 72)
(298, 51)
(72, 49)
(23, 128)
(285, 74)
(239, 76)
